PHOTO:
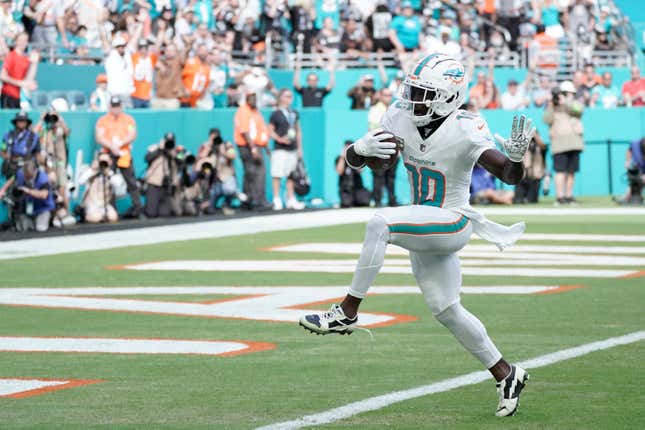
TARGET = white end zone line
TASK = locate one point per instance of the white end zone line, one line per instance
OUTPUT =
(380, 402)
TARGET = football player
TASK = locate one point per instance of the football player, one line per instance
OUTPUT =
(441, 145)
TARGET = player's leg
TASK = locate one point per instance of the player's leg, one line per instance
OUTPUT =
(342, 317)
(411, 227)
(439, 277)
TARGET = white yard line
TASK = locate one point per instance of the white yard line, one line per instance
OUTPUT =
(470, 249)
(232, 227)
(348, 266)
(380, 402)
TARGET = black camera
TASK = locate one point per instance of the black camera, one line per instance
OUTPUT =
(103, 165)
(206, 171)
(169, 142)
(51, 118)
(555, 96)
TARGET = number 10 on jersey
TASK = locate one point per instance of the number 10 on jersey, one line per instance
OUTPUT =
(428, 186)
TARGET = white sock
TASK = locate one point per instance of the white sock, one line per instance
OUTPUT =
(369, 263)
(471, 333)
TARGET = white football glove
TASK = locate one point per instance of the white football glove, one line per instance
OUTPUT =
(522, 133)
(372, 145)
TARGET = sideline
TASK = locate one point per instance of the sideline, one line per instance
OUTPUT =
(379, 402)
(231, 227)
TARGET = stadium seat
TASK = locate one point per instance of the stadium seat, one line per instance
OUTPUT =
(53, 95)
(77, 100)
(39, 100)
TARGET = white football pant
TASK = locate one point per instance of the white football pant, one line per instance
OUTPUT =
(433, 236)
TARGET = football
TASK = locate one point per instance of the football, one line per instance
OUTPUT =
(382, 164)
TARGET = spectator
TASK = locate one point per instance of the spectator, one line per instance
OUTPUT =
(312, 95)
(328, 39)
(515, 97)
(583, 94)
(116, 132)
(542, 94)
(563, 115)
(302, 16)
(99, 99)
(284, 129)
(352, 42)
(49, 22)
(97, 204)
(528, 190)
(443, 45)
(590, 78)
(483, 190)
(383, 178)
(119, 71)
(168, 79)
(18, 145)
(607, 94)
(484, 94)
(378, 27)
(251, 136)
(405, 29)
(350, 184)
(33, 207)
(635, 167)
(633, 90)
(53, 134)
(508, 15)
(362, 94)
(162, 179)
(17, 73)
(196, 77)
(551, 19)
(143, 65)
(9, 26)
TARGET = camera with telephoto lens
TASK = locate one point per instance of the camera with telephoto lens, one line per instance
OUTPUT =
(169, 142)
(51, 117)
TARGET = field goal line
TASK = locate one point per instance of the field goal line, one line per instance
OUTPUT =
(382, 401)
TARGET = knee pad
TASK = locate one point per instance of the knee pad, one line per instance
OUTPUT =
(377, 228)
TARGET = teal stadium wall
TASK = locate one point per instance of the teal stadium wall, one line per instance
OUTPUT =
(325, 130)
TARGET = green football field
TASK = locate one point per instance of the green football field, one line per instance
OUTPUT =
(561, 292)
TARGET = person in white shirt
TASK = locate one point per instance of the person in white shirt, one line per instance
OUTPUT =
(514, 97)
(443, 45)
(120, 72)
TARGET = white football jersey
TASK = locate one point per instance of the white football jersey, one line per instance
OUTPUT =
(440, 166)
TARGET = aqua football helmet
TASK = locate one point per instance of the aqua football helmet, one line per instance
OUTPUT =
(435, 88)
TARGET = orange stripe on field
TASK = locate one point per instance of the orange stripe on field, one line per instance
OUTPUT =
(560, 289)
(634, 275)
(69, 384)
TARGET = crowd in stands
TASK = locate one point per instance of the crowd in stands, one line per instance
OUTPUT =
(200, 53)
(205, 54)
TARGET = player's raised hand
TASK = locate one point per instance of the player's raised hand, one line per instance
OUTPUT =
(375, 144)
(522, 132)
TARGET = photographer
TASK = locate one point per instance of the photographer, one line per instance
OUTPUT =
(53, 133)
(18, 145)
(222, 155)
(528, 190)
(350, 184)
(31, 199)
(98, 200)
(635, 166)
(162, 178)
(563, 114)
(116, 132)
(197, 183)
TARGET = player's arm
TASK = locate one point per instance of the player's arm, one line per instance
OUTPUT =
(501, 166)
(509, 168)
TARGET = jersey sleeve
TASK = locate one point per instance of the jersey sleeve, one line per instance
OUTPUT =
(480, 138)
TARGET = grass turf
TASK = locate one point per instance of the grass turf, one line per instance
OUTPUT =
(307, 374)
